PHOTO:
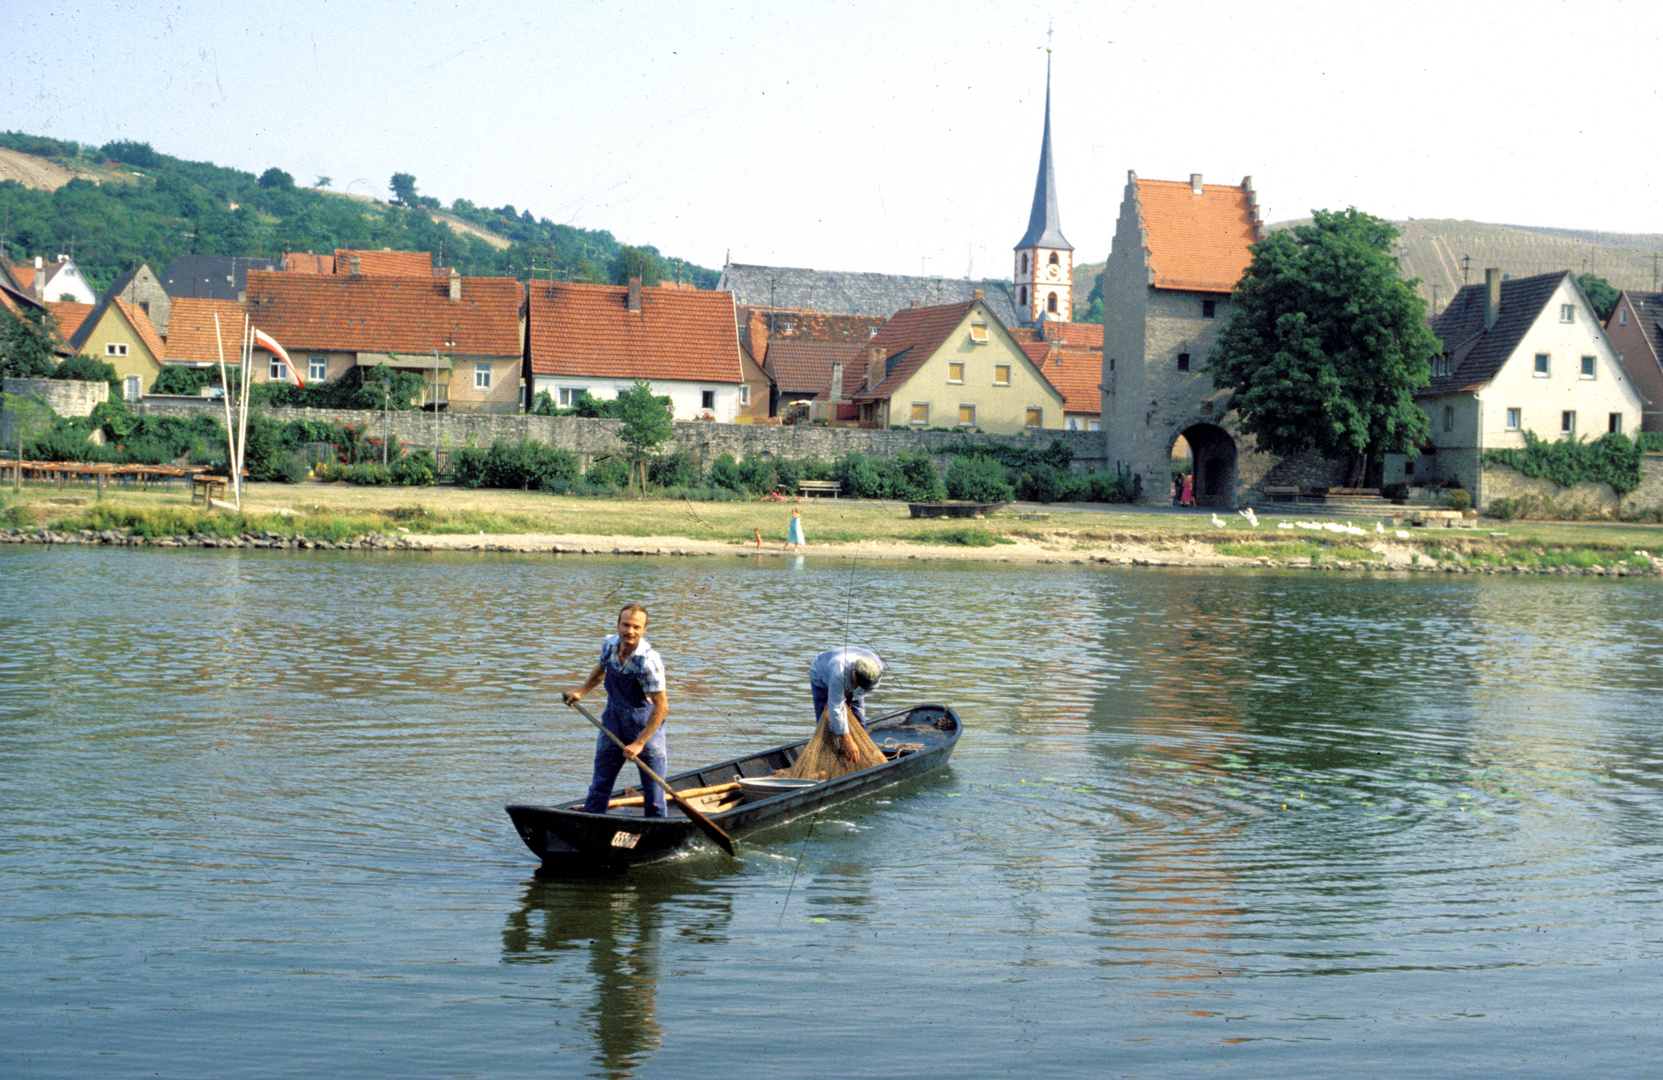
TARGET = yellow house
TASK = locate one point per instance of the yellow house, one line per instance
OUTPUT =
(954, 366)
(119, 333)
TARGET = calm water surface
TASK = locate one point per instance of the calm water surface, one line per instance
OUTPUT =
(1200, 824)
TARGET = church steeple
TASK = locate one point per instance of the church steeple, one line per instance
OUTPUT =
(1044, 257)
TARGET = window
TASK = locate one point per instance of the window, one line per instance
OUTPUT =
(744, 394)
(1001, 374)
(1515, 418)
(482, 375)
(707, 399)
(1024, 262)
(1567, 422)
(317, 368)
(1541, 365)
(1449, 418)
(978, 333)
(1615, 424)
(1022, 297)
(570, 395)
(115, 348)
(1588, 367)
(1035, 418)
(1209, 309)
(1622, 317)
(1183, 361)
(276, 371)
(1054, 259)
(920, 412)
(132, 388)
(967, 416)
(1051, 303)
(955, 371)
(1567, 313)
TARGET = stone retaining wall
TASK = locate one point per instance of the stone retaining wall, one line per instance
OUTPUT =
(590, 438)
(1589, 499)
(66, 397)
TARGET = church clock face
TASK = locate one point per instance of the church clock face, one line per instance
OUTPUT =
(1051, 272)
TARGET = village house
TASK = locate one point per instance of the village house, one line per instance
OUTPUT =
(202, 332)
(597, 340)
(1636, 332)
(213, 277)
(1179, 249)
(813, 379)
(120, 334)
(1518, 355)
(463, 336)
(58, 280)
(143, 289)
(1070, 356)
(954, 365)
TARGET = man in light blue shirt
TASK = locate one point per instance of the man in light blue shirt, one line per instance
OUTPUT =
(839, 680)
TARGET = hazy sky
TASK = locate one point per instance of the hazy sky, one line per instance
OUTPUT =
(853, 135)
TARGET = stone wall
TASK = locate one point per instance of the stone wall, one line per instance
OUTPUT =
(590, 438)
(1593, 500)
(66, 397)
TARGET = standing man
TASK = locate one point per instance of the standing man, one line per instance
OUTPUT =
(635, 709)
(839, 680)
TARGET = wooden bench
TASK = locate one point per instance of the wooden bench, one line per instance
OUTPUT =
(1282, 494)
(812, 488)
(209, 487)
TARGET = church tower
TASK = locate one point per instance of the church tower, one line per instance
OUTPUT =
(1044, 270)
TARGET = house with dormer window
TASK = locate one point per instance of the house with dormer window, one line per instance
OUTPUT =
(1518, 355)
(954, 366)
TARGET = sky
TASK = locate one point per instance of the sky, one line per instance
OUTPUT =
(895, 137)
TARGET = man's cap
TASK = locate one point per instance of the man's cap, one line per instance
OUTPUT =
(867, 672)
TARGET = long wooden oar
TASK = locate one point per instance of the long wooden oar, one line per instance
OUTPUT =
(706, 826)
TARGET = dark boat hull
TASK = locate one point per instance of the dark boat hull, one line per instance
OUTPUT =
(922, 738)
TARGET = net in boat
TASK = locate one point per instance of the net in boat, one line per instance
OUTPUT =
(822, 758)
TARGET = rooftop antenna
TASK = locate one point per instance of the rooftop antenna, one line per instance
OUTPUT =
(1466, 265)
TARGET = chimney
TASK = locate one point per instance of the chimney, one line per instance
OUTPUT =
(356, 266)
(836, 392)
(455, 284)
(40, 278)
(1492, 296)
(875, 367)
(635, 295)
(1195, 183)
(975, 294)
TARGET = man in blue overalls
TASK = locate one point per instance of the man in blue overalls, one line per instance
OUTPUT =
(635, 711)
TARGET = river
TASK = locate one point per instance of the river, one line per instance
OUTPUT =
(1242, 823)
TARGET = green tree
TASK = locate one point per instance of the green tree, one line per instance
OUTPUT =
(27, 344)
(1600, 293)
(646, 425)
(277, 179)
(1327, 344)
(323, 181)
(404, 187)
(634, 262)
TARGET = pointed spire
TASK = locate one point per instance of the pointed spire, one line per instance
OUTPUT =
(1045, 221)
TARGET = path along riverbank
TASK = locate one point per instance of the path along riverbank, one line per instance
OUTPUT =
(1064, 549)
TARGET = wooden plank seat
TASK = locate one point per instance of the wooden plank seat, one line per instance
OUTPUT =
(812, 488)
(207, 486)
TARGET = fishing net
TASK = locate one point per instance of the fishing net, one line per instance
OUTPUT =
(822, 758)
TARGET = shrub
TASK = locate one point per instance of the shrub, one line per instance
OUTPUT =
(416, 470)
(862, 477)
(608, 474)
(916, 479)
(680, 470)
(724, 472)
(527, 465)
(1457, 499)
(1042, 484)
(1503, 509)
(978, 478)
(757, 474)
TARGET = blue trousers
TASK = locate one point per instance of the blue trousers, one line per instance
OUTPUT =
(857, 707)
(609, 761)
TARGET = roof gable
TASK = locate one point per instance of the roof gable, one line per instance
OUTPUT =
(589, 331)
(68, 315)
(1197, 237)
(1478, 353)
(805, 367)
(192, 336)
(360, 313)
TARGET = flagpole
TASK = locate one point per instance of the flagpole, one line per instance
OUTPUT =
(225, 398)
(242, 425)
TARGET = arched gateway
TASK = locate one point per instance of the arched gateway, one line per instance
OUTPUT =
(1213, 458)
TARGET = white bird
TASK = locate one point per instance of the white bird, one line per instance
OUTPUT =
(1379, 528)
(1252, 518)
(1284, 525)
(1218, 521)
(1401, 535)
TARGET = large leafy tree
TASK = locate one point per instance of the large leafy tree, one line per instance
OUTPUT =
(1328, 343)
(28, 344)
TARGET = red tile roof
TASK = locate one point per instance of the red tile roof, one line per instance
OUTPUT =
(1075, 372)
(191, 336)
(304, 262)
(25, 275)
(346, 313)
(805, 367)
(68, 315)
(1198, 242)
(588, 330)
(143, 326)
(385, 263)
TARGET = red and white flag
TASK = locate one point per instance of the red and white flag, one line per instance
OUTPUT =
(263, 340)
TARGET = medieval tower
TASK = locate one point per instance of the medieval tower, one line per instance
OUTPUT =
(1044, 263)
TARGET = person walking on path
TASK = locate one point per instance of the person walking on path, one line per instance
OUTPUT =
(794, 532)
(636, 705)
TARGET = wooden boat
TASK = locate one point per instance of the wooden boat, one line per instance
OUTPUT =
(953, 508)
(740, 796)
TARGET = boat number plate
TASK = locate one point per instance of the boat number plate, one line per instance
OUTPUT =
(625, 839)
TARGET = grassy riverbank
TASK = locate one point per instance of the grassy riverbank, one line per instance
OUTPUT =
(446, 517)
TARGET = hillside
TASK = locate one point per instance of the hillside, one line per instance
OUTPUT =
(122, 203)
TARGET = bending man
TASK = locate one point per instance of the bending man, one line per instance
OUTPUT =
(635, 709)
(839, 680)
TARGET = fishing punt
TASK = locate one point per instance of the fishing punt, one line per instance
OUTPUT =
(740, 796)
